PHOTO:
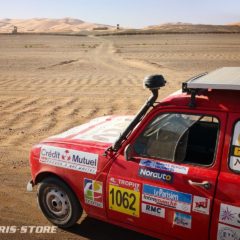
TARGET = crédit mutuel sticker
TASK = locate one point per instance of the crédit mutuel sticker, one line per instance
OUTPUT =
(69, 158)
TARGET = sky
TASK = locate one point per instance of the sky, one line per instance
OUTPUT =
(127, 13)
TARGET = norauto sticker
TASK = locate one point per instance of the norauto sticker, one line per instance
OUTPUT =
(166, 197)
(93, 192)
(182, 220)
(164, 166)
(70, 159)
(153, 210)
(229, 214)
(226, 232)
(201, 205)
(155, 174)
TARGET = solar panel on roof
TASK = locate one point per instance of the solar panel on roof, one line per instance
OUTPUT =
(226, 78)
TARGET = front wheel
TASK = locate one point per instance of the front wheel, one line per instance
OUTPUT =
(58, 203)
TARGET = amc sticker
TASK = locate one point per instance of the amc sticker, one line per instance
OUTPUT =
(201, 205)
(229, 214)
(124, 200)
(226, 232)
(70, 159)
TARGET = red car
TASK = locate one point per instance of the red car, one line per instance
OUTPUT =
(172, 171)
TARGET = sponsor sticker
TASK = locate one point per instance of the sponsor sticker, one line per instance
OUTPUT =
(166, 197)
(70, 159)
(164, 166)
(153, 210)
(93, 192)
(182, 220)
(201, 205)
(155, 174)
(235, 149)
(235, 163)
(124, 196)
(229, 214)
(226, 232)
(125, 183)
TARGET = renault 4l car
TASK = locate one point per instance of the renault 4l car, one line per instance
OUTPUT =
(172, 171)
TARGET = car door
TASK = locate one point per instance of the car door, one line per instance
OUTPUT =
(226, 214)
(157, 190)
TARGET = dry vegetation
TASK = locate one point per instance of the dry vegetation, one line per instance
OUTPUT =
(51, 83)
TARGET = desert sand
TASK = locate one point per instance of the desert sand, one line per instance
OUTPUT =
(49, 84)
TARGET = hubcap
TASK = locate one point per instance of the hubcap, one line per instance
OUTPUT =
(58, 202)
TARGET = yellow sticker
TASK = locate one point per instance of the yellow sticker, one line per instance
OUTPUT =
(124, 200)
(236, 151)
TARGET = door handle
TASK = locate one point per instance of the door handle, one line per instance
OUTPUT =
(204, 184)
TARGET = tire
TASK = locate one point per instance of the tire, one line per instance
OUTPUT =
(58, 202)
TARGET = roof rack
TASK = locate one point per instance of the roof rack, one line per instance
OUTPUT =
(226, 78)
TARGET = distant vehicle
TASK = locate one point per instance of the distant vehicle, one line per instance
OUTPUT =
(172, 171)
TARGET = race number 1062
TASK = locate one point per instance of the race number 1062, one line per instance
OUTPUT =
(124, 200)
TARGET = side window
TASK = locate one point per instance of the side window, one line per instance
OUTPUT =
(234, 162)
(179, 138)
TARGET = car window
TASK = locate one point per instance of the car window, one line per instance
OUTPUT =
(234, 162)
(179, 138)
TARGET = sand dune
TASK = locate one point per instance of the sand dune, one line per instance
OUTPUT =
(48, 25)
(71, 25)
(188, 27)
(235, 24)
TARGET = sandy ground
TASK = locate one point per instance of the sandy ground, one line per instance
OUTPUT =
(51, 83)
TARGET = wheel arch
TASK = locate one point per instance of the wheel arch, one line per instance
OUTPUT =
(43, 175)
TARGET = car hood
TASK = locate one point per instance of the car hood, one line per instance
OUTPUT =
(102, 131)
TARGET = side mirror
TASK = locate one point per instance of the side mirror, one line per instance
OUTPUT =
(128, 153)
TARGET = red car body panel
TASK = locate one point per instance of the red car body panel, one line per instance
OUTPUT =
(198, 215)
